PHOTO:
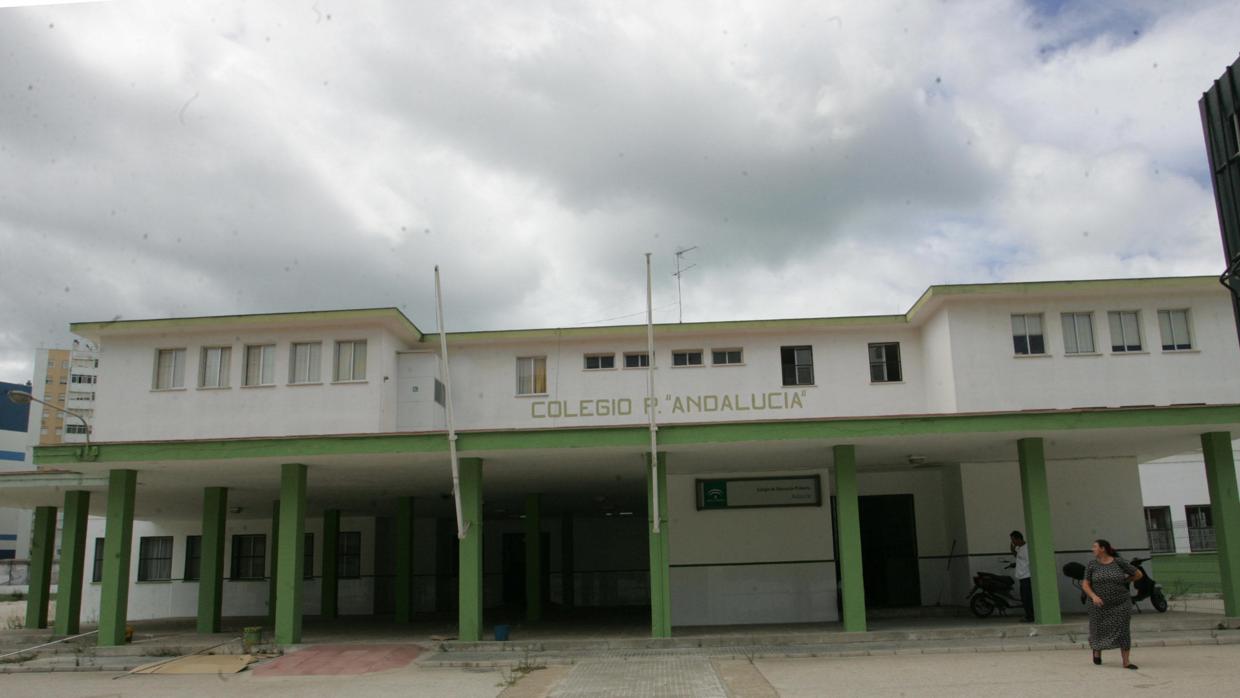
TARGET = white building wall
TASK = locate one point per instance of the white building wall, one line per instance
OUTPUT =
(129, 409)
(1176, 483)
(735, 566)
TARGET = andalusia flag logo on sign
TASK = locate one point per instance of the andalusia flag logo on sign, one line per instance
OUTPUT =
(714, 494)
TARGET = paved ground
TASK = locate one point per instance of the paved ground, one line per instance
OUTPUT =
(1173, 671)
(339, 660)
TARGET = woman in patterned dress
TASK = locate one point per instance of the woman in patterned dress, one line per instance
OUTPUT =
(1106, 583)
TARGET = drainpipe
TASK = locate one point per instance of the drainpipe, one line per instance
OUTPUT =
(650, 405)
(461, 526)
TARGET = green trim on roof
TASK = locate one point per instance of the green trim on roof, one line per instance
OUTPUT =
(181, 323)
(846, 430)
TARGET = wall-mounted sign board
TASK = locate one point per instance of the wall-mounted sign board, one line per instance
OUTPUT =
(751, 492)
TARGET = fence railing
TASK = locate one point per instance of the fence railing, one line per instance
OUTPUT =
(1201, 539)
(1161, 541)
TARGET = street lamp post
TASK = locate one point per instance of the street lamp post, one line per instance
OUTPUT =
(18, 397)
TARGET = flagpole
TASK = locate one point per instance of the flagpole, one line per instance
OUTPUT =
(461, 526)
(650, 404)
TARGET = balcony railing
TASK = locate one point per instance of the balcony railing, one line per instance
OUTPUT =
(1201, 539)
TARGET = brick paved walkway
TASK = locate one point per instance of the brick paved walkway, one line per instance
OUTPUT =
(672, 677)
(339, 660)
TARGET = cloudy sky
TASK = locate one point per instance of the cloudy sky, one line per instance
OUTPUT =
(827, 158)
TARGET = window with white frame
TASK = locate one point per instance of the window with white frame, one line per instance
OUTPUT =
(1078, 333)
(213, 368)
(687, 357)
(531, 375)
(797, 364)
(636, 359)
(1173, 324)
(75, 429)
(598, 362)
(885, 363)
(726, 357)
(350, 361)
(1027, 338)
(169, 369)
(260, 364)
(304, 362)
(1125, 330)
(83, 379)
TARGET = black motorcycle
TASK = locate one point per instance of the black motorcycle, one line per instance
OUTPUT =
(993, 592)
(1145, 587)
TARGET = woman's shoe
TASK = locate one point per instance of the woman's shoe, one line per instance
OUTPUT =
(1097, 658)
(1130, 666)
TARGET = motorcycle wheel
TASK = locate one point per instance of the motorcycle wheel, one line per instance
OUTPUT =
(1159, 602)
(981, 606)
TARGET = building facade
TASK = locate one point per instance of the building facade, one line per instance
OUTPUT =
(65, 378)
(807, 470)
(14, 456)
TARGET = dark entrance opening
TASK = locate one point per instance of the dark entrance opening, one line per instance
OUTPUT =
(512, 564)
(888, 550)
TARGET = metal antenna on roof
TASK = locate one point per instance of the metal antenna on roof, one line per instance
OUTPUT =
(680, 305)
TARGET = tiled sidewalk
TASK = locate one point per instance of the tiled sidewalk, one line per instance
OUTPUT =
(340, 660)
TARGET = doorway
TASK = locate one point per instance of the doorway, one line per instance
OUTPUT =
(512, 565)
(889, 561)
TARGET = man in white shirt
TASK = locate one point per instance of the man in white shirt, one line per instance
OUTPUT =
(1021, 551)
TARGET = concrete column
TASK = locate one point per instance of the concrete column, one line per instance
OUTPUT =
(470, 552)
(329, 585)
(568, 587)
(72, 563)
(404, 560)
(848, 523)
(291, 548)
(211, 562)
(533, 557)
(1036, 498)
(660, 571)
(42, 550)
(117, 546)
(1225, 508)
(274, 572)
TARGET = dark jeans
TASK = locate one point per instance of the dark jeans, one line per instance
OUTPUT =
(1026, 597)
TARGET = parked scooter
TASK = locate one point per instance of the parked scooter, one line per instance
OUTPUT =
(1146, 587)
(993, 592)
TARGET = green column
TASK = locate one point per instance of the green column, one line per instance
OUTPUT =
(274, 567)
(568, 587)
(533, 557)
(291, 546)
(72, 563)
(660, 578)
(848, 523)
(1038, 537)
(470, 552)
(404, 560)
(42, 549)
(117, 545)
(1225, 508)
(211, 565)
(330, 586)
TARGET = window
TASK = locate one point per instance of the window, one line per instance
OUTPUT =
(304, 361)
(1125, 330)
(636, 359)
(1173, 324)
(193, 558)
(154, 558)
(885, 363)
(249, 551)
(687, 358)
(307, 564)
(96, 572)
(1158, 528)
(1027, 334)
(1200, 528)
(64, 365)
(79, 378)
(51, 363)
(798, 365)
(60, 397)
(596, 362)
(81, 395)
(75, 428)
(213, 369)
(349, 555)
(532, 375)
(726, 357)
(350, 361)
(63, 380)
(260, 364)
(1078, 333)
(169, 369)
